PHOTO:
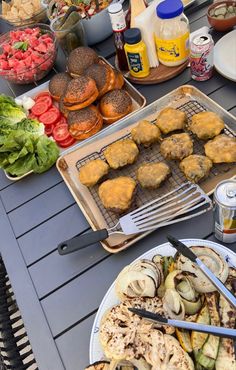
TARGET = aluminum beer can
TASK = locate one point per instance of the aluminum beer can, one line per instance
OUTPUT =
(225, 211)
(201, 57)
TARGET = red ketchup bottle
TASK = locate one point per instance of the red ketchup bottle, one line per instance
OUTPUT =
(118, 23)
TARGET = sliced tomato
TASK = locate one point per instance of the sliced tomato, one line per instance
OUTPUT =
(32, 116)
(49, 118)
(62, 121)
(48, 129)
(45, 99)
(39, 108)
(68, 142)
(61, 133)
(42, 94)
(55, 109)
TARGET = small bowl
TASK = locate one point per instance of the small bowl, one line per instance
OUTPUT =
(39, 17)
(221, 24)
(30, 74)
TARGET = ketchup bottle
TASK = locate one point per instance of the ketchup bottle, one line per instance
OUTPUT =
(118, 23)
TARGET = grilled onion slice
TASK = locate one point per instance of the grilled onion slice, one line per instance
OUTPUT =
(212, 260)
(173, 305)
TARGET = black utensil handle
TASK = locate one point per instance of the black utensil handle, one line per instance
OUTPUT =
(182, 248)
(81, 241)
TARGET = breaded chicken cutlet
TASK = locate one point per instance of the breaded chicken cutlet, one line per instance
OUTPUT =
(206, 125)
(222, 149)
(92, 172)
(195, 167)
(177, 146)
(170, 119)
(151, 175)
(117, 194)
(146, 133)
(121, 153)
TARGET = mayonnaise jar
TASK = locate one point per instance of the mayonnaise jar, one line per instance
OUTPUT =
(172, 33)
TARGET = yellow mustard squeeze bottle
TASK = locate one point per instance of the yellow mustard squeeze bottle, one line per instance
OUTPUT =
(172, 33)
(136, 53)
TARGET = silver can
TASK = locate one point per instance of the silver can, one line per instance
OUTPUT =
(225, 211)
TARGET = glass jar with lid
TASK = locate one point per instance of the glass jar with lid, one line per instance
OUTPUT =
(172, 33)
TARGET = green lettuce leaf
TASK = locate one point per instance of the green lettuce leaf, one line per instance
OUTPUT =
(31, 125)
(10, 110)
(46, 153)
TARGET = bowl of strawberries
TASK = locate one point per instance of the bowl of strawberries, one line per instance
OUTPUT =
(27, 54)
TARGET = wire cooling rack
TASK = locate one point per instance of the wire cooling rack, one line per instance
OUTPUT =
(152, 154)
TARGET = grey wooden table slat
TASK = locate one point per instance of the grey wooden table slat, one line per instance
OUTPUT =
(74, 344)
(23, 191)
(71, 310)
(27, 299)
(41, 208)
(46, 236)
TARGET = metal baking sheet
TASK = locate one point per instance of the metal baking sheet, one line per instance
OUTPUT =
(186, 98)
(138, 100)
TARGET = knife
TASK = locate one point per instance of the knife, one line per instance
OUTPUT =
(188, 253)
(218, 331)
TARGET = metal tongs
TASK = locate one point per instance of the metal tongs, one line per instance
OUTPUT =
(188, 253)
(187, 325)
(210, 329)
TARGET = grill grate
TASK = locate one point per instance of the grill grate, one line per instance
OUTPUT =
(152, 154)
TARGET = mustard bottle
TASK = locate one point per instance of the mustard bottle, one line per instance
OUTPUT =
(136, 53)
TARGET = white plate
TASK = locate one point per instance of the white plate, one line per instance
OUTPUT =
(110, 299)
(225, 56)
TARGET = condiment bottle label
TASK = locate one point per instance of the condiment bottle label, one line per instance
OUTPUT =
(173, 50)
(135, 62)
(118, 21)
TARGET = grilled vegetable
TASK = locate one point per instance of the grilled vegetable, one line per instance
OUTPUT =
(212, 260)
(166, 262)
(208, 354)
(100, 365)
(184, 339)
(226, 355)
(173, 305)
(182, 284)
(141, 279)
(198, 339)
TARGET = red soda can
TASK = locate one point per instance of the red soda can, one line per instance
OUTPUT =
(201, 57)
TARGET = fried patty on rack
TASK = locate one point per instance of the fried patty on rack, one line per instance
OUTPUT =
(206, 125)
(170, 119)
(196, 167)
(177, 146)
(151, 175)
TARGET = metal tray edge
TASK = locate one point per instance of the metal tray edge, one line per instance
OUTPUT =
(45, 86)
(185, 89)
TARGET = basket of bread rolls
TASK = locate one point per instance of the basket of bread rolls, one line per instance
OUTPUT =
(89, 93)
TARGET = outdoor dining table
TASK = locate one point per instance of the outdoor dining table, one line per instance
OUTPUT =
(58, 296)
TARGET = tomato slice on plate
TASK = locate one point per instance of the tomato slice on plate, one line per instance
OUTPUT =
(50, 117)
(39, 108)
(61, 133)
(62, 121)
(45, 99)
(48, 129)
(32, 116)
(42, 94)
(68, 142)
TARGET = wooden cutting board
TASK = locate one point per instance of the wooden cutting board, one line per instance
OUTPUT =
(157, 75)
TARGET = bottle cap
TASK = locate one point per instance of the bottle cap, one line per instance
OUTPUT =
(169, 9)
(132, 36)
(114, 8)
